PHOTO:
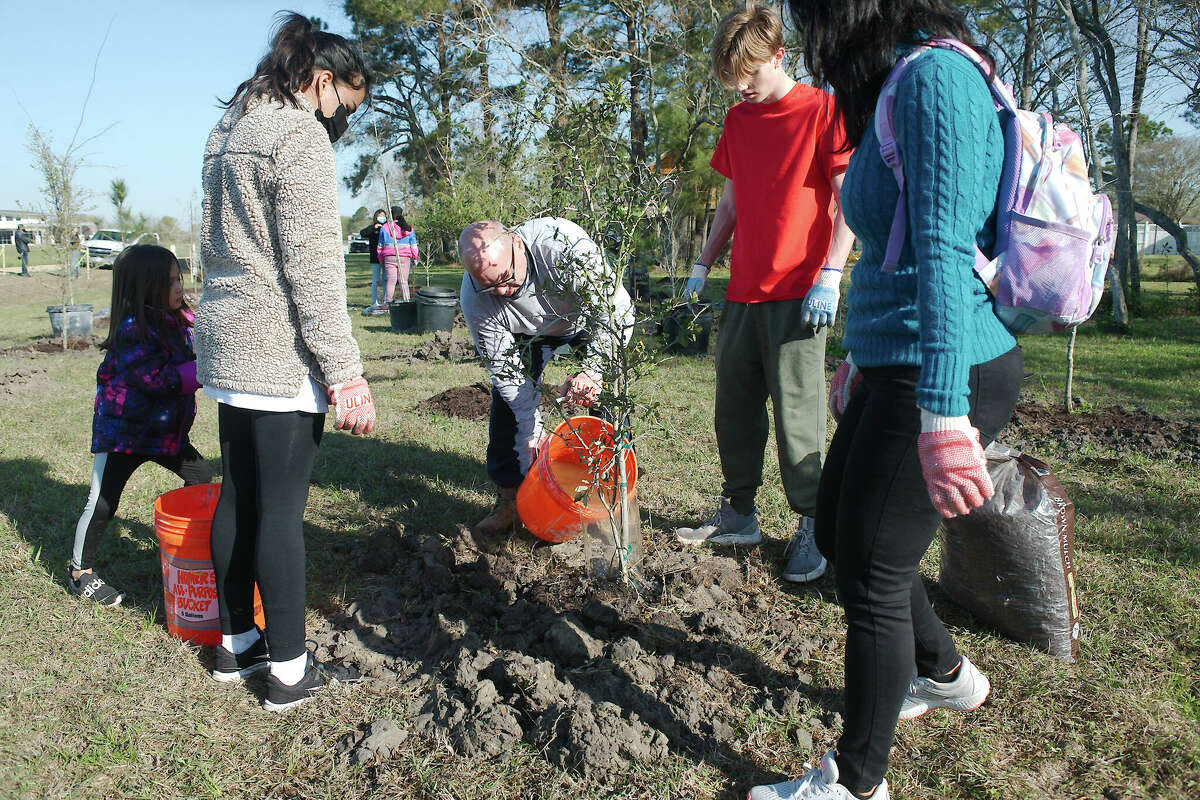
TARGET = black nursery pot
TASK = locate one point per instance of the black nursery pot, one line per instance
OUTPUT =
(403, 316)
(687, 327)
(436, 309)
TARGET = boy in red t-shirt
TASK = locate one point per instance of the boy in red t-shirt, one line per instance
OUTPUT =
(781, 152)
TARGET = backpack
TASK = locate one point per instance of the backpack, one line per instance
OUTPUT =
(1054, 236)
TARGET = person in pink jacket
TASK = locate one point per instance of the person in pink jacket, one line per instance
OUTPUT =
(397, 252)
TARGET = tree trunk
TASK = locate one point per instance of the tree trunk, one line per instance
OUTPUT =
(1120, 311)
(485, 99)
(1145, 8)
(1031, 20)
(637, 122)
(1105, 66)
(1069, 399)
(558, 76)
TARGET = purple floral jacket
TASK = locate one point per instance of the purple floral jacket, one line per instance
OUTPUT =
(144, 403)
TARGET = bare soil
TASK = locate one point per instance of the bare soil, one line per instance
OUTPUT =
(54, 345)
(1112, 428)
(442, 347)
(513, 646)
(468, 402)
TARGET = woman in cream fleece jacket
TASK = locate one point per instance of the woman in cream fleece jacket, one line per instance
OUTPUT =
(273, 339)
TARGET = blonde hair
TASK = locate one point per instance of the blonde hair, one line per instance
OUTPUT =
(745, 38)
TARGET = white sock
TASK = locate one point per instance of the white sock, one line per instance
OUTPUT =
(239, 643)
(290, 672)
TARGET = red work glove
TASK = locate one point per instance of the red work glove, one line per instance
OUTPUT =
(187, 377)
(953, 464)
(582, 390)
(355, 410)
(845, 380)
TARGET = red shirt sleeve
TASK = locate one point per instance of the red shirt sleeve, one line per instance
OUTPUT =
(836, 159)
(720, 157)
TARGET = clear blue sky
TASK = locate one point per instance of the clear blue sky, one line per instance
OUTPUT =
(164, 65)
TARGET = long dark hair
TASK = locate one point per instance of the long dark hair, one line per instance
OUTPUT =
(297, 49)
(852, 45)
(141, 281)
(398, 216)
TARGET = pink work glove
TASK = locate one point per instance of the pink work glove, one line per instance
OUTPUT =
(355, 410)
(845, 380)
(582, 390)
(187, 377)
(953, 464)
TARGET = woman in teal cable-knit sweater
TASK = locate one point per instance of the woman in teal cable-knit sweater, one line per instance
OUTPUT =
(932, 370)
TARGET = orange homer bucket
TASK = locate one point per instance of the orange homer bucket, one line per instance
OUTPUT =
(183, 522)
(546, 501)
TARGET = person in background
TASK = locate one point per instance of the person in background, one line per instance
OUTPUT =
(780, 152)
(520, 298)
(22, 239)
(371, 234)
(398, 248)
(145, 400)
(939, 371)
(273, 337)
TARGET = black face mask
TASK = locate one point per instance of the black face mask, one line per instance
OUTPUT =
(336, 125)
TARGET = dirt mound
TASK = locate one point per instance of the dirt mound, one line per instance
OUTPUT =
(468, 402)
(499, 649)
(442, 347)
(55, 345)
(11, 379)
(1112, 428)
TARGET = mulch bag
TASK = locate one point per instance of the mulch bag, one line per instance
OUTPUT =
(1011, 562)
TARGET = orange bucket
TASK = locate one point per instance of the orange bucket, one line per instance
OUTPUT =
(183, 522)
(546, 500)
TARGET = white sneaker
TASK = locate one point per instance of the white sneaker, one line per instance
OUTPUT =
(725, 527)
(966, 692)
(805, 562)
(817, 784)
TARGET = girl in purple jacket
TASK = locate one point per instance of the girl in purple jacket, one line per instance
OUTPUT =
(145, 399)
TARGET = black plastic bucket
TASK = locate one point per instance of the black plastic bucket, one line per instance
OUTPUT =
(404, 316)
(436, 309)
(79, 319)
(686, 328)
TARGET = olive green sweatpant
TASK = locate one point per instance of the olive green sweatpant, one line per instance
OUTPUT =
(764, 352)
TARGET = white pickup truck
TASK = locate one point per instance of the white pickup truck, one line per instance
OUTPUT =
(104, 245)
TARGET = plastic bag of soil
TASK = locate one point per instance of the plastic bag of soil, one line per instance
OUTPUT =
(1011, 562)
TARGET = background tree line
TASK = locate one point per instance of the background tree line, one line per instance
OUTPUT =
(588, 109)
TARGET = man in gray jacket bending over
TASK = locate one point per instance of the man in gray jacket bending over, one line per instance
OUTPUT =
(526, 292)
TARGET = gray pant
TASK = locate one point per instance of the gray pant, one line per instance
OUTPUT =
(764, 352)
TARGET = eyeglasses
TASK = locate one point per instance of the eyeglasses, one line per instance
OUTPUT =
(509, 278)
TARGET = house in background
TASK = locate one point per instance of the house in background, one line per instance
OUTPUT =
(1154, 241)
(34, 223)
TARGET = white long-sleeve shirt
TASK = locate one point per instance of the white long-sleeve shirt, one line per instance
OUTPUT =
(564, 264)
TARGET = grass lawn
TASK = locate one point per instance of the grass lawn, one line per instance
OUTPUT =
(103, 703)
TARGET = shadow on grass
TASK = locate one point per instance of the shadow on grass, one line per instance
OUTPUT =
(44, 512)
(1167, 531)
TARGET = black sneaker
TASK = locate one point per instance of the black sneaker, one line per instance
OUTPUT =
(93, 587)
(229, 667)
(281, 697)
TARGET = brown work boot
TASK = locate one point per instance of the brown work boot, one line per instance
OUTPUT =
(503, 518)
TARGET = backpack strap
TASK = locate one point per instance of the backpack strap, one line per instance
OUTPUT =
(889, 150)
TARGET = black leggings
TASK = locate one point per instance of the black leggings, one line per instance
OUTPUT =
(110, 473)
(874, 522)
(258, 525)
(503, 450)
